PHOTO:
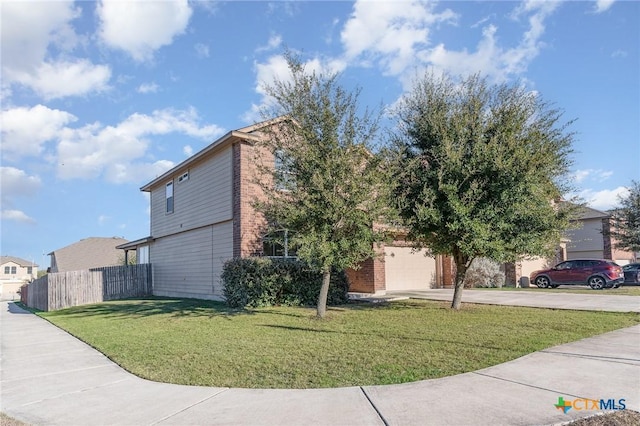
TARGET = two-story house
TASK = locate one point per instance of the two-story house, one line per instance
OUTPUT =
(591, 239)
(92, 252)
(202, 214)
(14, 272)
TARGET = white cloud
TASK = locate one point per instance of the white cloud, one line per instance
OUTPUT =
(390, 33)
(274, 42)
(53, 80)
(145, 88)
(113, 151)
(16, 183)
(594, 175)
(28, 33)
(202, 50)
(490, 57)
(16, 216)
(604, 200)
(137, 172)
(25, 130)
(188, 150)
(619, 54)
(276, 68)
(140, 28)
(602, 5)
(102, 219)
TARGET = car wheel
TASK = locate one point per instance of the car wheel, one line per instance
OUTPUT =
(597, 283)
(542, 282)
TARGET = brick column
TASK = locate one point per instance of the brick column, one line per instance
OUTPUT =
(606, 239)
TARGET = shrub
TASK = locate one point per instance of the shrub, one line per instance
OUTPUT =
(257, 282)
(484, 272)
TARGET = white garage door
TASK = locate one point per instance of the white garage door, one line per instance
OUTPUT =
(406, 269)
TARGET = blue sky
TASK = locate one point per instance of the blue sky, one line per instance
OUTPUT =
(98, 98)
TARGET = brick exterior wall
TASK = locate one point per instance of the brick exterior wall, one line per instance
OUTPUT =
(448, 272)
(248, 224)
(606, 238)
(370, 277)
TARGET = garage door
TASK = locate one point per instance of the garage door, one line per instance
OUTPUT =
(406, 269)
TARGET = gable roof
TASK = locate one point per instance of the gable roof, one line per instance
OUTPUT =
(589, 213)
(248, 133)
(19, 261)
(93, 252)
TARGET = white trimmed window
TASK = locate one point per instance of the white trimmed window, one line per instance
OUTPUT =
(285, 179)
(169, 197)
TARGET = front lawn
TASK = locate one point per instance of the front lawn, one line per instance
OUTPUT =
(205, 343)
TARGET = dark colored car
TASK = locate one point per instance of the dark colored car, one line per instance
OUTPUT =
(631, 273)
(596, 273)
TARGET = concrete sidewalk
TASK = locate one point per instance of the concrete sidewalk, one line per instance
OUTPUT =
(49, 377)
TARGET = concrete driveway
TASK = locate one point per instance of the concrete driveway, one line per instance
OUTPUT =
(543, 299)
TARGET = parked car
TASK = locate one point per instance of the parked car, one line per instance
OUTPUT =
(631, 273)
(596, 273)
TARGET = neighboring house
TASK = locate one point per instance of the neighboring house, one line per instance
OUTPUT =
(591, 239)
(14, 272)
(202, 214)
(93, 252)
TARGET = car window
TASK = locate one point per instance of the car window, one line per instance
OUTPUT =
(565, 265)
(632, 267)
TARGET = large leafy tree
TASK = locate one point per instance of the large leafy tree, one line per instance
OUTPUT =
(480, 170)
(626, 220)
(327, 189)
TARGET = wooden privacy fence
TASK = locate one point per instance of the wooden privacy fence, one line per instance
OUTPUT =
(65, 289)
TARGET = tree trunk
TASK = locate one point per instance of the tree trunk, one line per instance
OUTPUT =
(324, 292)
(462, 264)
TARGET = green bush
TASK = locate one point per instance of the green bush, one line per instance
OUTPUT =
(261, 281)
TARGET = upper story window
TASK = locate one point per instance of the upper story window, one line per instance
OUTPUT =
(285, 178)
(7, 269)
(29, 270)
(169, 197)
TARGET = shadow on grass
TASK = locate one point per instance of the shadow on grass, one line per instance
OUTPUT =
(174, 307)
(140, 308)
(380, 336)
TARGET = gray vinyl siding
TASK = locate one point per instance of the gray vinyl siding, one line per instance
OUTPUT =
(204, 199)
(189, 264)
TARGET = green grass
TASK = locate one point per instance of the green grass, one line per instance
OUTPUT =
(620, 291)
(205, 343)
